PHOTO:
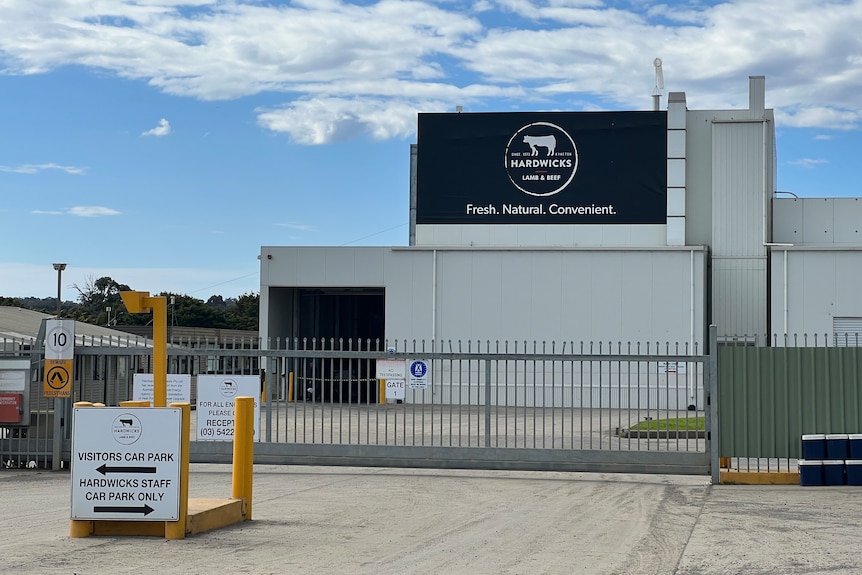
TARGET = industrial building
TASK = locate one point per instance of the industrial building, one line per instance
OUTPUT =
(637, 226)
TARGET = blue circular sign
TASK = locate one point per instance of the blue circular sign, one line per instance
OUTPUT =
(418, 369)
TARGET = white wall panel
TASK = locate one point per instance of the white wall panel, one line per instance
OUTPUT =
(738, 195)
(309, 266)
(848, 221)
(409, 282)
(675, 173)
(676, 202)
(550, 235)
(787, 221)
(676, 144)
(819, 221)
(739, 296)
(517, 294)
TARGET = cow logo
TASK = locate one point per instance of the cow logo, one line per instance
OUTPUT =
(126, 429)
(541, 159)
(228, 388)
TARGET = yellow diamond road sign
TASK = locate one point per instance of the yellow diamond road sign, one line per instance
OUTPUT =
(58, 378)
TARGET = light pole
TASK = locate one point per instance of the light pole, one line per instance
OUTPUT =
(59, 268)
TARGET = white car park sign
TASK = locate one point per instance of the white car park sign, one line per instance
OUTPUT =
(126, 463)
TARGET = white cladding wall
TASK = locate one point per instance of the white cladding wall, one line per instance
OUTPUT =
(818, 285)
(552, 295)
(551, 235)
(569, 295)
(817, 221)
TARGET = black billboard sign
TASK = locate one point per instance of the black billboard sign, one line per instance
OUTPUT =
(542, 167)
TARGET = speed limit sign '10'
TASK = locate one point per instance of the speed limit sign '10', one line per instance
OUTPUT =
(60, 339)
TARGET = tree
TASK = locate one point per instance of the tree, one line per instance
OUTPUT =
(97, 296)
(245, 312)
(192, 312)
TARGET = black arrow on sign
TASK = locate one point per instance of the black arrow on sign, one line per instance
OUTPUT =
(146, 509)
(104, 469)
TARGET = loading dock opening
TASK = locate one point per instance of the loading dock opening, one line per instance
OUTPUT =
(331, 318)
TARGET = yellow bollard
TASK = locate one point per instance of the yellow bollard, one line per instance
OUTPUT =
(381, 391)
(290, 386)
(243, 452)
(135, 403)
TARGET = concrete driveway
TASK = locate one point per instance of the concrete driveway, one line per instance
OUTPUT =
(399, 521)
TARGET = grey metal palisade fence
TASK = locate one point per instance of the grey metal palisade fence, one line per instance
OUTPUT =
(572, 406)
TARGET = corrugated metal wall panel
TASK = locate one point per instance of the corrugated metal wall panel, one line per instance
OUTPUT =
(847, 331)
(738, 180)
(770, 397)
(739, 296)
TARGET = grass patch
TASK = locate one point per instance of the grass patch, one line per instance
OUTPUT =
(673, 424)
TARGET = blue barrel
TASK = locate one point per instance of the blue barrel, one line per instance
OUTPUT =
(814, 446)
(833, 472)
(854, 471)
(855, 441)
(810, 472)
(837, 446)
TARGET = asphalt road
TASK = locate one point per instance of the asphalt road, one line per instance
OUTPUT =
(406, 521)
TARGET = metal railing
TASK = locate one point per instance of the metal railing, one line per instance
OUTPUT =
(531, 404)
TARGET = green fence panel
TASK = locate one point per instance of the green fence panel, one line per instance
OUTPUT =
(770, 396)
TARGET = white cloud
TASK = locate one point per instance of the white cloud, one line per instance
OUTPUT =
(92, 211)
(36, 168)
(808, 162)
(350, 69)
(81, 211)
(324, 120)
(163, 129)
(819, 117)
(302, 227)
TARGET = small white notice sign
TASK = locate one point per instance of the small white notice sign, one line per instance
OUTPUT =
(179, 387)
(418, 377)
(391, 369)
(395, 389)
(216, 405)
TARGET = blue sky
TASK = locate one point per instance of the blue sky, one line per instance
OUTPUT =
(163, 142)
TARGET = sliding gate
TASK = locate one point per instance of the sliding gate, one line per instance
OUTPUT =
(639, 408)
(604, 407)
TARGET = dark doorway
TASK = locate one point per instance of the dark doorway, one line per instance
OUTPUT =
(333, 319)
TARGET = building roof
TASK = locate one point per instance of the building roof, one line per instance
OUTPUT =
(18, 324)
